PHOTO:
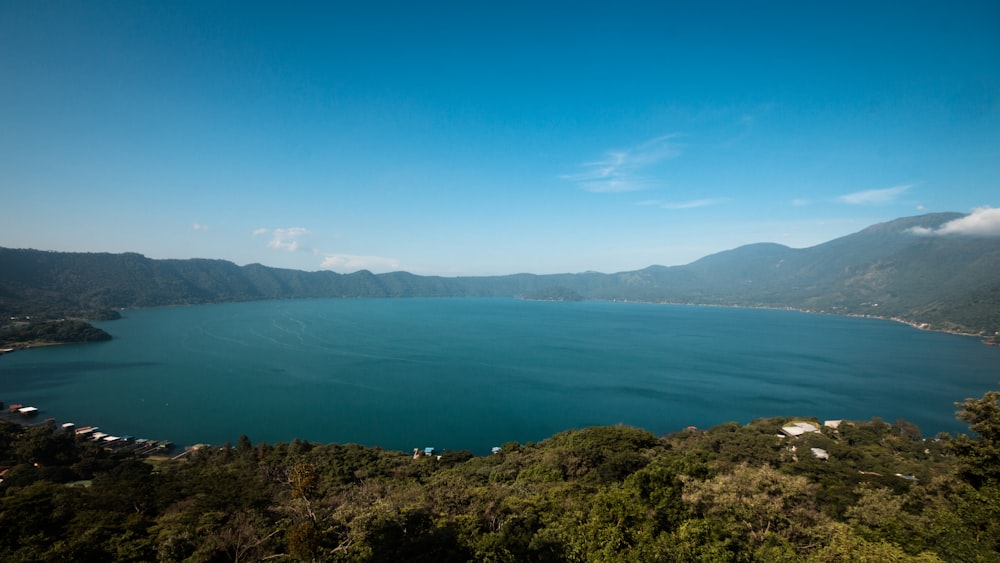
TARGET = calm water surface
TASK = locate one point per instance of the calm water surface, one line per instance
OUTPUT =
(474, 373)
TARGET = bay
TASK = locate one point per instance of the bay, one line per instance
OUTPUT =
(475, 373)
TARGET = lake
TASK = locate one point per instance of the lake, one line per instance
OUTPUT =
(475, 373)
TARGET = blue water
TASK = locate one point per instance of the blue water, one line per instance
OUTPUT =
(474, 373)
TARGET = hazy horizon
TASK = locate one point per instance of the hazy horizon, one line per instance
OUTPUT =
(471, 139)
(981, 222)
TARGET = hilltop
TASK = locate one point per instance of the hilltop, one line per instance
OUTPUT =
(888, 270)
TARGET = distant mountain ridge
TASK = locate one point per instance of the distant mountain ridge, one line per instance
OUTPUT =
(886, 270)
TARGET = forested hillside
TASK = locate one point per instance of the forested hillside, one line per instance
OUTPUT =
(887, 270)
(65, 331)
(864, 491)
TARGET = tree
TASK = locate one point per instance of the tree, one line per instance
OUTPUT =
(980, 457)
(243, 537)
(879, 513)
(244, 447)
(758, 505)
(847, 547)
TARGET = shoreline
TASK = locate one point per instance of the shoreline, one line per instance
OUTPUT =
(142, 447)
(915, 324)
(926, 327)
(989, 340)
(39, 344)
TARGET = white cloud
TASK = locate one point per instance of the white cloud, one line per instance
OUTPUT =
(695, 203)
(873, 197)
(346, 263)
(982, 222)
(801, 202)
(684, 204)
(261, 231)
(199, 227)
(286, 239)
(620, 170)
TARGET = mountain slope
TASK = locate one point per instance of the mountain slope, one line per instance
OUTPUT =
(948, 282)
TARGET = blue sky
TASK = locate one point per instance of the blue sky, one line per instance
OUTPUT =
(472, 138)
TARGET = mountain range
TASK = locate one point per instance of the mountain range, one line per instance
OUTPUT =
(891, 270)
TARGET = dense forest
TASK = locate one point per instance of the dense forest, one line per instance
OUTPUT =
(862, 491)
(938, 282)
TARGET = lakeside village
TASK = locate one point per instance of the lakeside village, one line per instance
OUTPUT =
(142, 447)
(30, 416)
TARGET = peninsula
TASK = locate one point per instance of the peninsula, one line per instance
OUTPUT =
(29, 334)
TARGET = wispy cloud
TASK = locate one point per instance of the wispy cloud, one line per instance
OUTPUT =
(284, 239)
(199, 227)
(982, 222)
(622, 170)
(874, 197)
(691, 204)
(801, 202)
(346, 263)
(695, 203)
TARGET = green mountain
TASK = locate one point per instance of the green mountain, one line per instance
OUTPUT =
(886, 270)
